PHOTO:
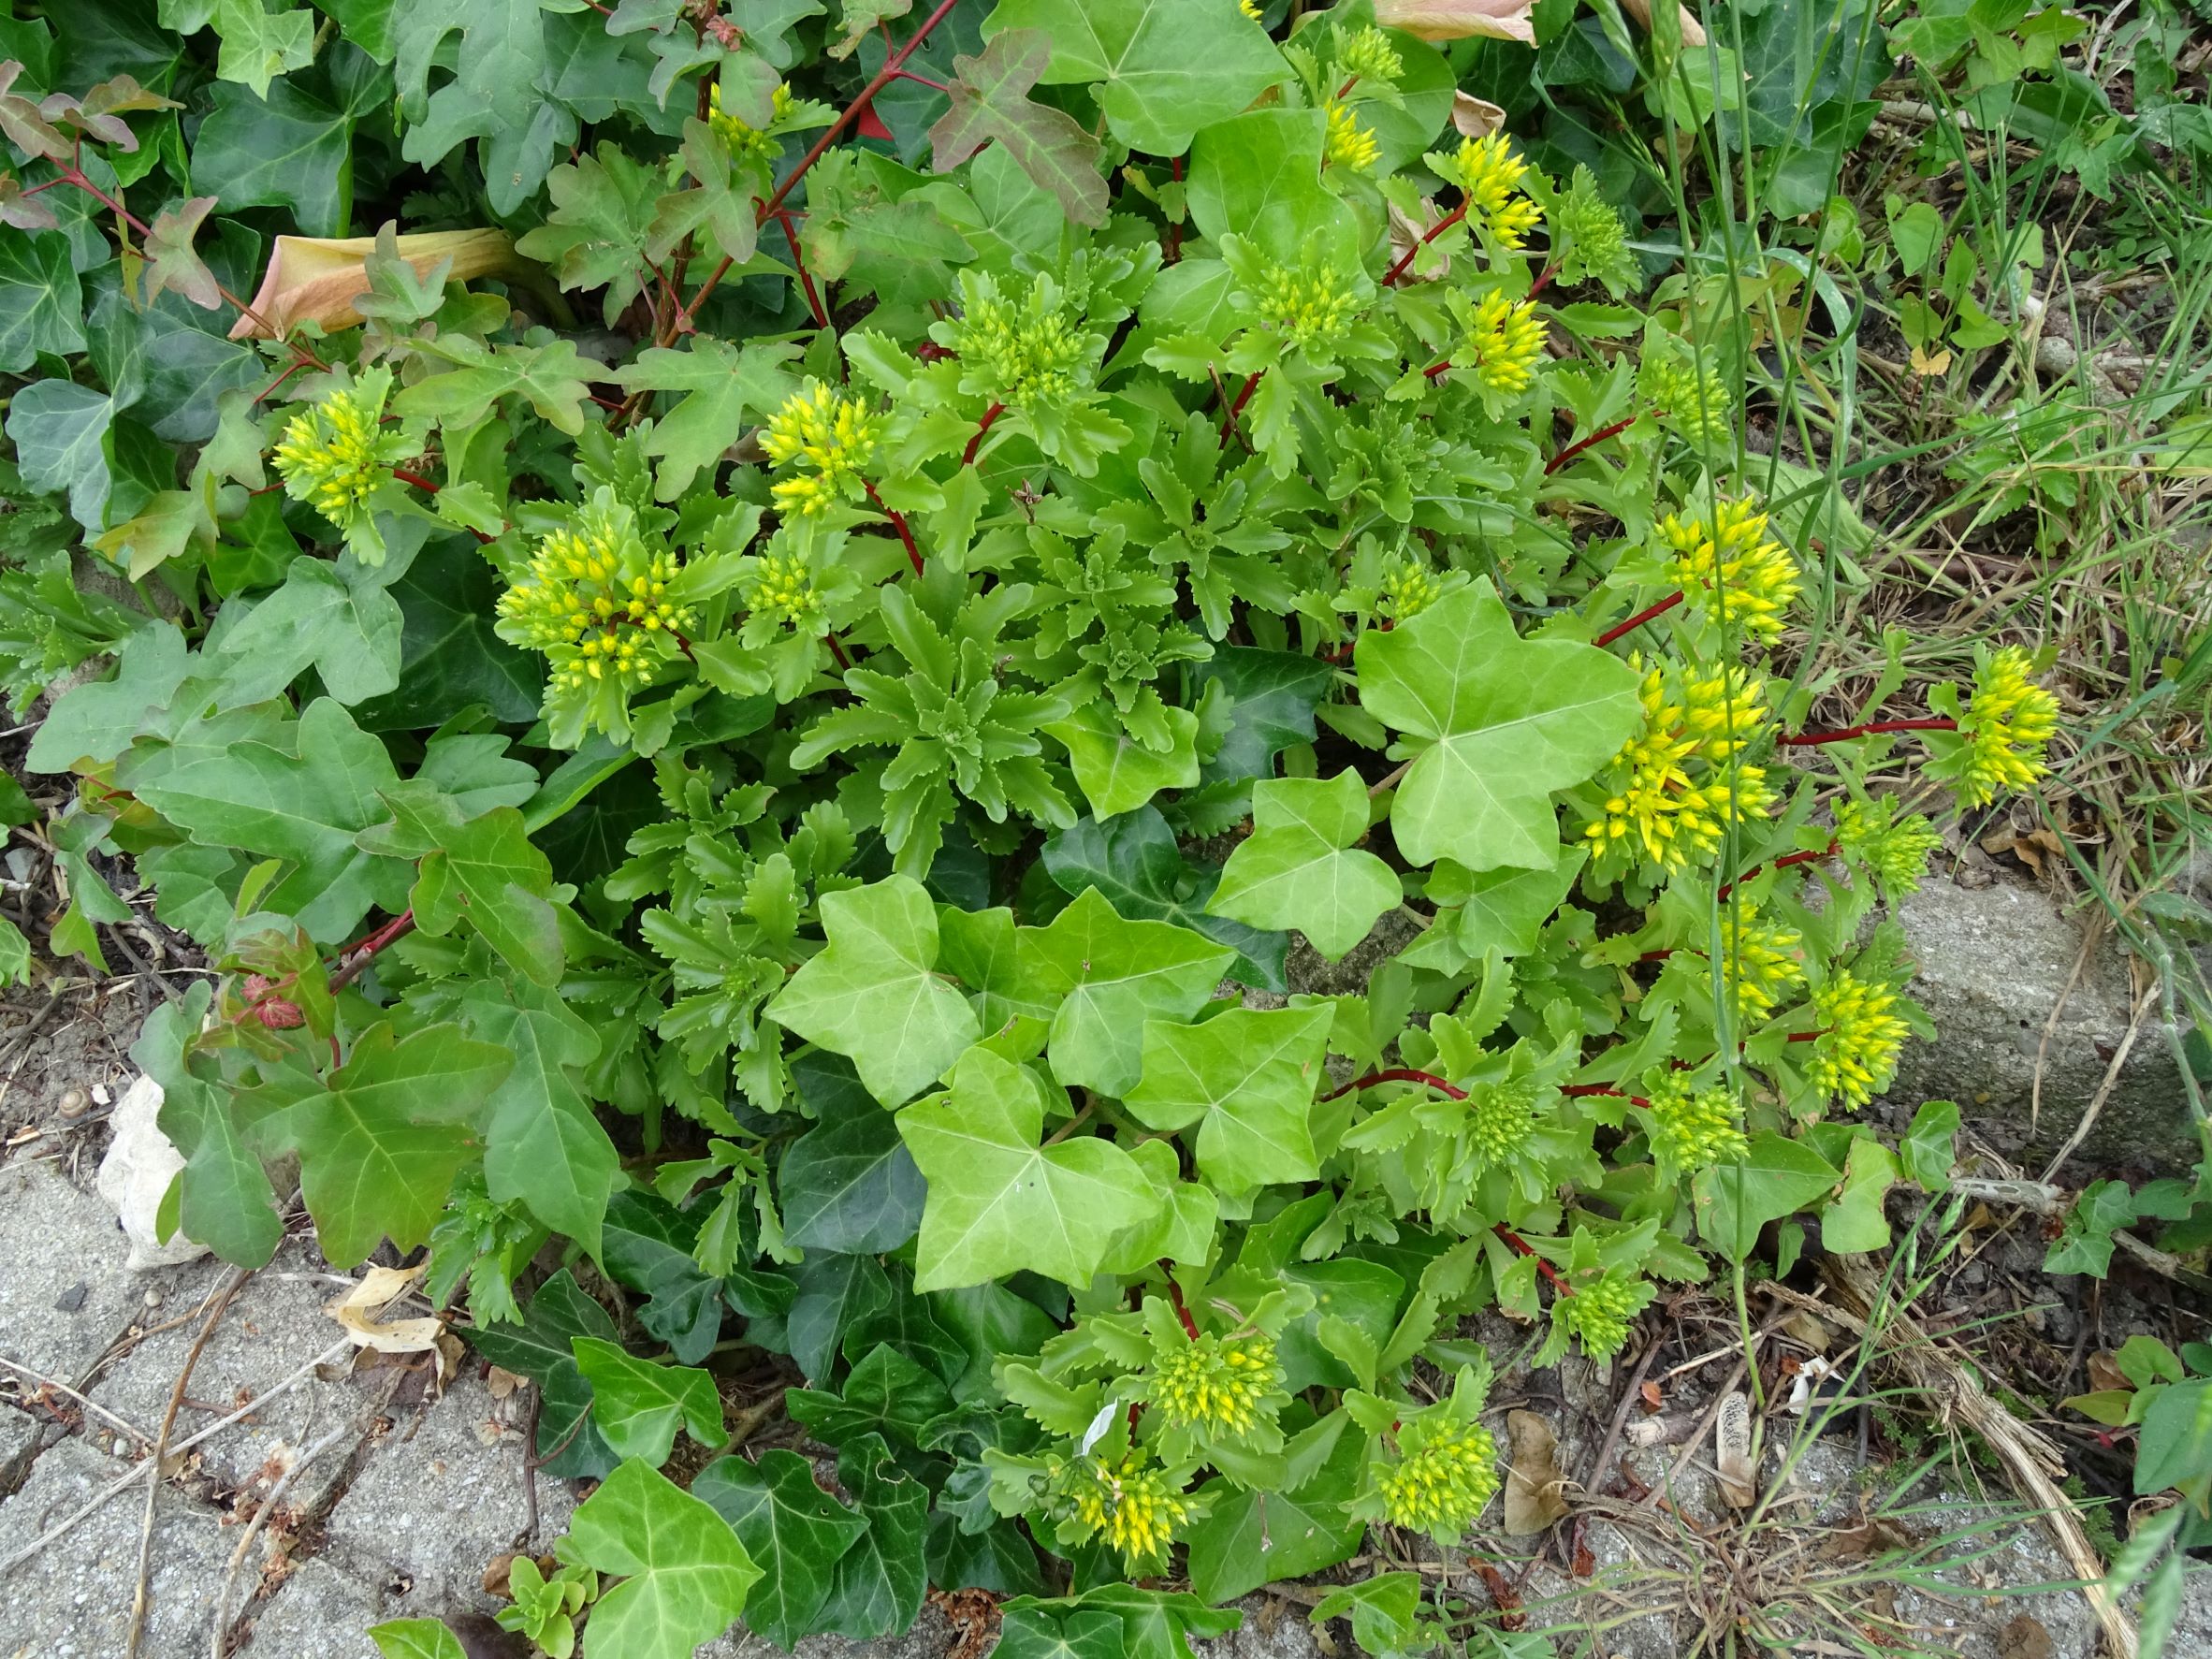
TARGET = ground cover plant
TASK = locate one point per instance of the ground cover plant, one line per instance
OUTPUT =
(757, 683)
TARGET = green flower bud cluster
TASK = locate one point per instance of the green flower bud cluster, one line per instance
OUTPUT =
(1895, 849)
(1598, 1313)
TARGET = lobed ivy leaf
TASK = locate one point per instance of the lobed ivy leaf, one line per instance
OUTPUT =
(415, 1638)
(1501, 722)
(1248, 1079)
(171, 261)
(998, 1202)
(880, 1579)
(542, 1349)
(990, 102)
(543, 1144)
(792, 1529)
(639, 1403)
(337, 619)
(874, 995)
(722, 383)
(685, 1576)
(888, 1394)
(1299, 868)
(848, 1184)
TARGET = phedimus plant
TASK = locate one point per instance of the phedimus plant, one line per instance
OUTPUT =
(807, 810)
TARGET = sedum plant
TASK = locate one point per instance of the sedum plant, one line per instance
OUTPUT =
(803, 810)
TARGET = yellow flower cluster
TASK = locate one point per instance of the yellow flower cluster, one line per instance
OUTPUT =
(1216, 1386)
(1028, 352)
(1670, 793)
(783, 588)
(595, 602)
(1759, 961)
(1443, 1483)
(1896, 851)
(1250, 8)
(1409, 588)
(1729, 566)
(1501, 1116)
(745, 140)
(1311, 307)
(1598, 1314)
(1505, 342)
(1854, 1056)
(1349, 144)
(1692, 1128)
(1132, 1508)
(835, 435)
(1369, 55)
(2006, 727)
(1489, 174)
(334, 456)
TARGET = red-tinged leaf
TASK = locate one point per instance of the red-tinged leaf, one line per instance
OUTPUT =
(170, 261)
(868, 124)
(991, 102)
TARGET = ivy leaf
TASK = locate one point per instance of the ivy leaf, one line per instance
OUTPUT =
(1506, 721)
(380, 1143)
(685, 1576)
(1249, 1539)
(550, 377)
(873, 994)
(348, 631)
(647, 1246)
(170, 260)
(1297, 868)
(1778, 1177)
(1154, 1623)
(1259, 175)
(288, 147)
(720, 198)
(482, 867)
(998, 1203)
(305, 802)
(1162, 69)
(639, 1403)
(1505, 910)
(1246, 1078)
(543, 1144)
(848, 1184)
(887, 1394)
(542, 1349)
(880, 1579)
(449, 655)
(415, 1638)
(1030, 1632)
(836, 1292)
(493, 93)
(720, 382)
(97, 720)
(595, 235)
(61, 439)
(41, 303)
(990, 99)
(1854, 1221)
(788, 1524)
(1110, 976)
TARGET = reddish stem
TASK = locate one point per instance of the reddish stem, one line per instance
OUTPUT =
(883, 76)
(1398, 1074)
(899, 522)
(1543, 279)
(1175, 1295)
(1566, 456)
(1871, 727)
(924, 80)
(1640, 618)
(983, 425)
(1782, 863)
(1520, 1246)
(404, 476)
(790, 235)
(838, 652)
(1582, 1090)
(1428, 236)
(1228, 421)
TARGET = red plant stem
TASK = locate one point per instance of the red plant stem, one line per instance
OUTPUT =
(983, 425)
(883, 76)
(1428, 236)
(269, 391)
(838, 652)
(1640, 618)
(924, 80)
(1520, 1246)
(1806, 740)
(899, 522)
(1566, 456)
(359, 956)
(814, 303)
(1344, 91)
(1579, 1090)
(1398, 1074)
(1543, 280)
(1228, 421)
(1438, 366)
(404, 476)
(1167, 1269)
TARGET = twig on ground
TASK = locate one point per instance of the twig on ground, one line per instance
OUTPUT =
(1592, 1475)
(90, 1405)
(2035, 1464)
(2112, 1076)
(269, 1505)
(122, 1482)
(161, 1446)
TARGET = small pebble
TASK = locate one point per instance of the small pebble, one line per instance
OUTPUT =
(74, 1103)
(101, 1095)
(152, 1299)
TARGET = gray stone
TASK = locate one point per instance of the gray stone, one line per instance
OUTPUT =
(439, 1497)
(64, 1295)
(18, 1433)
(1272, 1629)
(273, 1326)
(317, 1611)
(930, 1638)
(75, 1601)
(1992, 964)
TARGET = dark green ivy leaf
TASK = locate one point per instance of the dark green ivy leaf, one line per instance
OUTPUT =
(540, 1348)
(791, 1527)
